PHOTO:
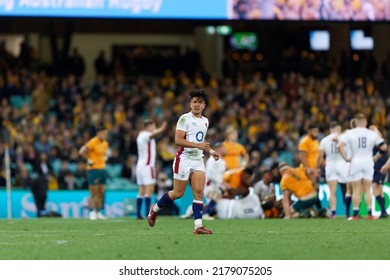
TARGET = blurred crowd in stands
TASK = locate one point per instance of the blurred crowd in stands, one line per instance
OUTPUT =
(312, 9)
(51, 116)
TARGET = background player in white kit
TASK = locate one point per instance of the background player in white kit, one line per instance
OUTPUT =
(362, 141)
(348, 153)
(214, 179)
(189, 165)
(145, 170)
(336, 168)
(265, 190)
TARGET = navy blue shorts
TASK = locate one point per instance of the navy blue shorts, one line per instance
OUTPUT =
(379, 178)
(96, 177)
(300, 205)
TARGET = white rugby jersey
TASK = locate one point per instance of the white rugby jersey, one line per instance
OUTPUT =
(362, 141)
(329, 145)
(262, 190)
(347, 148)
(195, 129)
(248, 207)
(146, 149)
(215, 170)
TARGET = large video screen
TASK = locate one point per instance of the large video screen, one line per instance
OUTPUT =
(312, 10)
(244, 41)
(319, 40)
(360, 41)
(150, 9)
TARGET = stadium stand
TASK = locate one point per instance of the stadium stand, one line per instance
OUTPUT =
(270, 109)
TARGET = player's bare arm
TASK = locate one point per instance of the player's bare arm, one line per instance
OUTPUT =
(214, 154)
(377, 156)
(385, 167)
(341, 148)
(303, 159)
(309, 170)
(245, 160)
(83, 152)
(241, 190)
(286, 204)
(383, 148)
(159, 130)
(320, 158)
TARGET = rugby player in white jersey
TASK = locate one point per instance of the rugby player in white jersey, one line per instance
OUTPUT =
(214, 180)
(265, 190)
(145, 170)
(336, 168)
(348, 187)
(188, 165)
(363, 142)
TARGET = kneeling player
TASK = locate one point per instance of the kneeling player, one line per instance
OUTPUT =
(295, 181)
(246, 204)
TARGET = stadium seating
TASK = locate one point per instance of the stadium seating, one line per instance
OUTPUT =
(286, 156)
(56, 165)
(18, 101)
(114, 170)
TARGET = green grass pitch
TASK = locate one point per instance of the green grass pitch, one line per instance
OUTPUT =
(172, 239)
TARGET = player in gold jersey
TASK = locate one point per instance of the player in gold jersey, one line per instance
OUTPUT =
(95, 152)
(295, 181)
(309, 148)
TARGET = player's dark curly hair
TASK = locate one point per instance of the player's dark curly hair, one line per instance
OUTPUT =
(248, 170)
(200, 93)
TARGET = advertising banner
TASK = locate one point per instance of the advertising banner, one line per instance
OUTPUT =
(162, 9)
(74, 204)
(71, 204)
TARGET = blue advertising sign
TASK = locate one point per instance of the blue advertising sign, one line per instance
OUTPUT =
(74, 204)
(71, 204)
(159, 9)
